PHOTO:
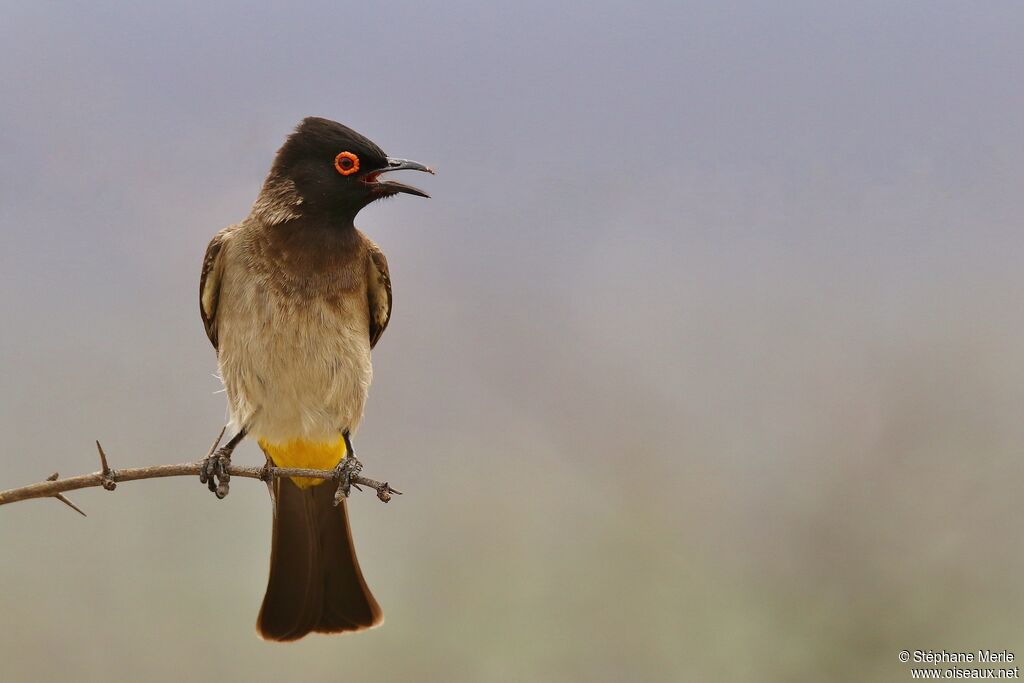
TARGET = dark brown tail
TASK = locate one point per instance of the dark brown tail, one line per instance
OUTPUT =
(315, 582)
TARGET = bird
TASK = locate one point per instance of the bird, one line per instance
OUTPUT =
(293, 299)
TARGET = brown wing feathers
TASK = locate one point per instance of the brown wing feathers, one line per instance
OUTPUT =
(378, 291)
(209, 285)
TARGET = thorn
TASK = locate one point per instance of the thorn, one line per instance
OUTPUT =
(106, 474)
(62, 498)
(103, 458)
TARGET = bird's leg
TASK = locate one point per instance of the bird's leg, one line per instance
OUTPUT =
(347, 469)
(214, 472)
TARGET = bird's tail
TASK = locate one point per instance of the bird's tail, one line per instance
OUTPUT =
(315, 582)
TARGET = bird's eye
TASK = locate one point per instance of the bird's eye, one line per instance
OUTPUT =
(346, 163)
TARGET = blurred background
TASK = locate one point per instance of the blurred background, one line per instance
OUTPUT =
(706, 363)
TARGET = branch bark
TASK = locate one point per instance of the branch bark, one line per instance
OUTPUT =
(109, 478)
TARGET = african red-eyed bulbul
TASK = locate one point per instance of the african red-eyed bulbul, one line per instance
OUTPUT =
(293, 299)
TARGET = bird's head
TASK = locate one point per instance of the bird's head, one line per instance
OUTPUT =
(326, 168)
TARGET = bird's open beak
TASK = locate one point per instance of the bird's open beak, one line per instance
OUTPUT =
(392, 186)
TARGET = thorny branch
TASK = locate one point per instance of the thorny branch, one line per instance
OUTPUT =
(108, 478)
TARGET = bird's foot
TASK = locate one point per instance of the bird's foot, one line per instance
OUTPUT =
(214, 472)
(347, 470)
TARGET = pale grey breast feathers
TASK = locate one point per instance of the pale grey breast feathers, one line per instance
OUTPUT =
(293, 340)
(379, 295)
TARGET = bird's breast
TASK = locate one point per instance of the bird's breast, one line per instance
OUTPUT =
(295, 362)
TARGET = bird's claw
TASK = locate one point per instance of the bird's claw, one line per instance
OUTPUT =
(347, 470)
(214, 472)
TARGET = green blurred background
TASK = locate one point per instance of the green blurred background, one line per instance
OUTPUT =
(707, 357)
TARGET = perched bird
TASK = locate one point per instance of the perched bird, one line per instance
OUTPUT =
(293, 299)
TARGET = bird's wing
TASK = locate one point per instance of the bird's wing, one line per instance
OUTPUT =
(209, 283)
(378, 290)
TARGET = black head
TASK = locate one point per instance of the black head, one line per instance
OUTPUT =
(335, 170)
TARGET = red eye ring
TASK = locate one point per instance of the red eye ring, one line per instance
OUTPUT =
(346, 163)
